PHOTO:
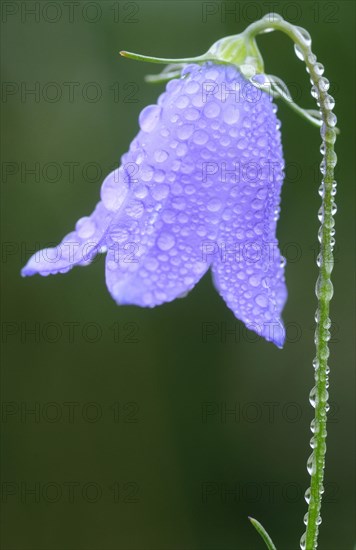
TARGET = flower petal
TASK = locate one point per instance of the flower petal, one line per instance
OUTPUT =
(248, 270)
(80, 246)
(162, 259)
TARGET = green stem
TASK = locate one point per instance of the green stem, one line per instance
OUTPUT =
(324, 289)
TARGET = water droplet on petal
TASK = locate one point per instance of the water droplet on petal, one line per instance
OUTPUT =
(146, 173)
(165, 241)
(211, 110)
(114, 190)
(261, 300)
(192, 87)
(214, 205)
(200, 137)
(160, 192)
(255, 280)
(151, 264)
(149, 118)
(182, 102)
(160, 155)
(135, 209)
(85, 228)
(191, 114)
(231, 114)
(185, 131)
(140, 191)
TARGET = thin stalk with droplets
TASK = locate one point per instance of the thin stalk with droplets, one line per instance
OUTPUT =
(324, 288)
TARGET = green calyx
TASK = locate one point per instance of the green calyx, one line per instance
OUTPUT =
(240, 50)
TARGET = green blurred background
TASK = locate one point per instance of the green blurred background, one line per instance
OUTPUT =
(131, 443)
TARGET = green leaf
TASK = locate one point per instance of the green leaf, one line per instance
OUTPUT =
(262, 531)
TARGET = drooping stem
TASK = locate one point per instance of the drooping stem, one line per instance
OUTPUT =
(324, 288)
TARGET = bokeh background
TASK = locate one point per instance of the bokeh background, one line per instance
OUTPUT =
(133, 429)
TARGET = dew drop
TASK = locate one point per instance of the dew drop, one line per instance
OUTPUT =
(298, 52)
(149, 118)
(191, 114)
(323, 167)
(165, 241)
(272, 17)
(318, 69)
(312, 442)
(312, 397)
(261, 300)
(140, 191)
(311, 465)
(182, 102)
(200, 137)
(160, 192)
(192, 87)
(185, 131)
(147, 173)
(114, 190)
(85, 228)
(181, 150)
(231, 114)
(323, 84)
(314, 92)
(331, 119)
(306, 36)
(160, 155)
(214, 205)
(135, 209)
(254, 280)
(329, 102)
(211, 110)
(119, 234)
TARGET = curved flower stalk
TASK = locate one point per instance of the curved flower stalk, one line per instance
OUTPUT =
(199, 188)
